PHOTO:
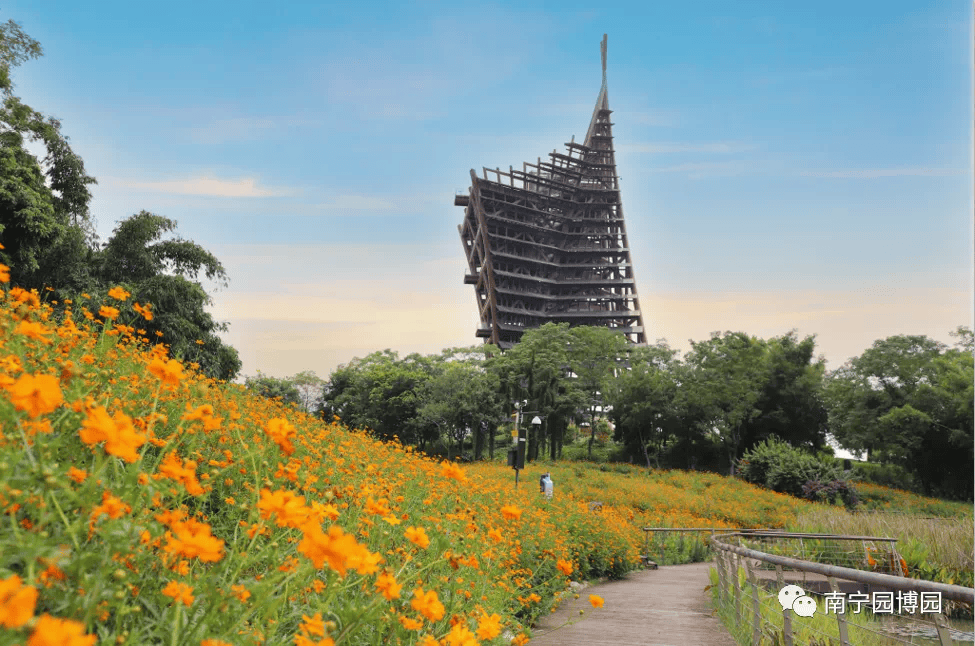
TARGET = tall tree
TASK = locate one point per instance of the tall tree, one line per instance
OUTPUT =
(908, 400)
(595, 354)
(45, 224)
(643, 400)
(273, 388)
(725, 381)
(165, 273)
(791, 401)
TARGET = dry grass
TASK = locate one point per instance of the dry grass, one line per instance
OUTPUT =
(928, 544)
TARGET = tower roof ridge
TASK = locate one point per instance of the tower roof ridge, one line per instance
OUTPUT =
(602, 101)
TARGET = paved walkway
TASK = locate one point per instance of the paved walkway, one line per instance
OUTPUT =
(665, 607)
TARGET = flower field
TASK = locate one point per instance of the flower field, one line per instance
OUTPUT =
(141, 503)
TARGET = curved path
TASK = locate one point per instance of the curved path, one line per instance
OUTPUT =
(662, 607)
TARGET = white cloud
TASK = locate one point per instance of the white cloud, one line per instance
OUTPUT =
(245, 187)
(884, 172)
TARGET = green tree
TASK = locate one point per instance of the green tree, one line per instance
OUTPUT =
(643, 401)
(309, 387)
(165, 273)
(790, 404)
(381, 393)
(594, 355)
(908, 400)
(725, 381)
(274, 388)
(45, 224)
(535, 374)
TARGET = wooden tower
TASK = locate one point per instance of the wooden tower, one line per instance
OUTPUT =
(548, 242)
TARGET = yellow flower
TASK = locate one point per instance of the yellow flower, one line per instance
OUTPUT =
(4, 273)
(596, 601)
(118, 293)
(108, 312)
(451, 470)
(386, 584)
(180, 592)
(169, 372)
(33, 330)
(16, 602)
(488, 626)
(564, 567)
(510, 512)
(411, 624)
(51, 631)
(117, 432)
(427, 604)
(417, 536)
(36, 394)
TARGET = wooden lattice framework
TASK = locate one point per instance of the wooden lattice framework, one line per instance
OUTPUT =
(548, 242)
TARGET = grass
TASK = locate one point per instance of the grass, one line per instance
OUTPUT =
(934, 548)
(863, 628)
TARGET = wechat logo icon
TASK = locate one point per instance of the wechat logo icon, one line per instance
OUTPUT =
(794, 598)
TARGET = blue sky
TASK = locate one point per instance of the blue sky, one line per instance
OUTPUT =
(783, 165)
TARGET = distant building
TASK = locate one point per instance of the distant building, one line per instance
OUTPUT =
(548, 243)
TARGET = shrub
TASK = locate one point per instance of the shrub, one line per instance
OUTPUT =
(778, 466)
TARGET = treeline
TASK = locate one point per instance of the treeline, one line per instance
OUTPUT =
(906, 402)
(49, 244)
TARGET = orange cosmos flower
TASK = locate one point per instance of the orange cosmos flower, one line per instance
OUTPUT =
(193, 540)
(313, 625)
(427, 604)
(169, 372)
(17, 602)
(281, 432)
(386, 584)
(510, 512)
(118, 293)
(417, 536)
(33, 330)
(242, 593)
(564, 567)
(36, 394)
(596, 601)
(411, 624)
(451, 470)
(520, 640)
(180, 592)
(107, 312)
(21, 295)
(117, 432)
(289, 508)
(214, 642)
(143, 310)
(377, 507)
(174, 468)
(51, 631)
(4, 273)
(339, 549)
(111, 506)
(488, 626)
(460, 635)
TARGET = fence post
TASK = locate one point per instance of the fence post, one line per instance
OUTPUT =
(840, 616)
(786, 612)
(735, 586)
(719, 562)
(756, 605)
(944, 634)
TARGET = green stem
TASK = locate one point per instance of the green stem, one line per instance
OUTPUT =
(64, 519)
